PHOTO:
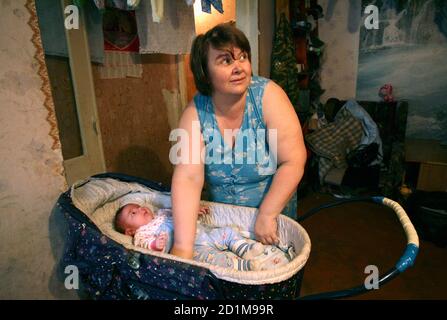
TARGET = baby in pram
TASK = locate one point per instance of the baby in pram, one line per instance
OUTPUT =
(222, 246)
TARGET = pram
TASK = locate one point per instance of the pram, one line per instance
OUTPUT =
(110, 267)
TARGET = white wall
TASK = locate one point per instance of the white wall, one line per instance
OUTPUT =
(340, 62)
(30, 170)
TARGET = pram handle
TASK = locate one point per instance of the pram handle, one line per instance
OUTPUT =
(406, 260)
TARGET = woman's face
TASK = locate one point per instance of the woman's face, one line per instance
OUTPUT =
(230, 73)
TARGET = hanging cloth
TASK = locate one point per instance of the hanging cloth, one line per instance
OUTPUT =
(119, 4)
(157, 10)
(173, 35)
(51, 24)
(217, 4)
(355, 15)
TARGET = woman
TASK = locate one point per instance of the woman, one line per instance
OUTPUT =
(231, 100)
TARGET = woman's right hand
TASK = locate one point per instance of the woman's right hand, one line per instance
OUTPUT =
(266, 229)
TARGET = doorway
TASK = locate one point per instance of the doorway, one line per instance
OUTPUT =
(67, 58)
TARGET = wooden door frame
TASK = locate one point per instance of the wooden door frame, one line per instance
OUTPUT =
(92, 161)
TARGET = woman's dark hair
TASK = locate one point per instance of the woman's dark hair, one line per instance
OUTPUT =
(224, 36)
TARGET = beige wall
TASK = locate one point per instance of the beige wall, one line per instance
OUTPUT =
(340, 62)
(134, 116)
(30, 170)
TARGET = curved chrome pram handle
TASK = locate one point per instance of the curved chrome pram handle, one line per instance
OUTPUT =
(405, 261)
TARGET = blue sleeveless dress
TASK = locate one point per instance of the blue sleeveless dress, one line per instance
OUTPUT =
(242, 174)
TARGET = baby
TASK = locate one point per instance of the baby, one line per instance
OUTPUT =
(222, 246)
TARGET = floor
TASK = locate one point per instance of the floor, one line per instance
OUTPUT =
(347, 239)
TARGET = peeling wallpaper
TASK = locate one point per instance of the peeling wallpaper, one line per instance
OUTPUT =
(30, 168)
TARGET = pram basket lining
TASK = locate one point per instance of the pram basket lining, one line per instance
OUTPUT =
(100, 198)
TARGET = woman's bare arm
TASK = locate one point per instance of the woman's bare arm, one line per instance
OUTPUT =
(187, 184)
(291, 157)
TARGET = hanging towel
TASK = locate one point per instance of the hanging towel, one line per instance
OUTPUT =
(51, 24)
(129, 5)
(355, 14)
(173, 35)
(217, 4)
(330, 9)
(132, 4)
(157, 10)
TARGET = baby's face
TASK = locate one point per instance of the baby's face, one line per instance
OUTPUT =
(134, 216)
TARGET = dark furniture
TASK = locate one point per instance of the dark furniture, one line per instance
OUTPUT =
(391, 119)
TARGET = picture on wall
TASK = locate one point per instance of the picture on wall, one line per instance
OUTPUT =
(409, 52)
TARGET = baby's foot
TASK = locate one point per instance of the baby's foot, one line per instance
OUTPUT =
(254, 265)
(271, 258)
(247, 249)
(254, 250)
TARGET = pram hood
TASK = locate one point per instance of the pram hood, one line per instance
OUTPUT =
(100, 198)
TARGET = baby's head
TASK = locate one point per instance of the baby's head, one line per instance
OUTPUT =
(130, 217)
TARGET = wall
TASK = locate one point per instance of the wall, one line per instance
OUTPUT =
(340, 61)
(134, 118)
(31, 167)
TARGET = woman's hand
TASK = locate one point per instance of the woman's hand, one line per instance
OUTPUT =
(266, 229)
